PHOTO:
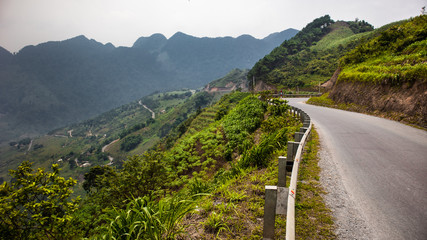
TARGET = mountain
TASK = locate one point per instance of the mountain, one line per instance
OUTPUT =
(57, 83)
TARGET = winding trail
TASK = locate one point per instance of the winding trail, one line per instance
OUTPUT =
(377, 172)
(153, 114)
(104, 148)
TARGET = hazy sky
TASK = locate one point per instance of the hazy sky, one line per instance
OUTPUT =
(122, 22)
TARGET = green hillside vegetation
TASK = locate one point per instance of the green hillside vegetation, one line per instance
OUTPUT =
(311, 56)
(205, 179)
(129, 128)
(398, 55)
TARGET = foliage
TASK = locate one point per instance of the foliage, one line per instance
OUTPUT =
(216, 223)
(146, 219)
(143, 175)
(278, 107)
(360, 26)
(132, 129)
(323, 100)
(397, 55)
(259, 154)
(242, 120)
(130, 143)
(98, 177)
(36, 205)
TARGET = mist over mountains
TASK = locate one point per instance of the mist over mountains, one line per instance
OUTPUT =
(56, 83)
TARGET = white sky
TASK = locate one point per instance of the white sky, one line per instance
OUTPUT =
(122, 22)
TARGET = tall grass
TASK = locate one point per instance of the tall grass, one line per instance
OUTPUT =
(148, 219)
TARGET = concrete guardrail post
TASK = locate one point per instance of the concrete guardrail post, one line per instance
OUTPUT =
(282, 172)
(292, 149)
(282, 191)
(282, 200)
(298, 136)
(306, 123)
(269, 212)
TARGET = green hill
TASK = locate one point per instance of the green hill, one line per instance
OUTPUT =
(85, 142)
(311, 56)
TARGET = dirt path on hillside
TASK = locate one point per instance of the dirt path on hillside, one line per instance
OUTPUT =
(153, 114)
(106, 146)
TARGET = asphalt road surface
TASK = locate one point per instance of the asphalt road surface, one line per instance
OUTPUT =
(383, 167)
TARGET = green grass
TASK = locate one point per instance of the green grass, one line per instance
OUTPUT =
(339, 35)
(313, 219)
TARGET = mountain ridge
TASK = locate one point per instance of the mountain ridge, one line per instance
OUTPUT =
(60, 82)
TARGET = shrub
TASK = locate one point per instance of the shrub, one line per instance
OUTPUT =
(130, 143)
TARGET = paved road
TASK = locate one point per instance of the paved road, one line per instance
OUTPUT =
(383, 166)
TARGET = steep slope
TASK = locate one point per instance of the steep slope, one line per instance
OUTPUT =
(310, 57)
(388, 74)
(56, 83)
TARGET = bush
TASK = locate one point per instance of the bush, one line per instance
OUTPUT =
(130, 143)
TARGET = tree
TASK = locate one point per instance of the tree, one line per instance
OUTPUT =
(143, 174)
(36, 205)
(98, 177)
(130, 143)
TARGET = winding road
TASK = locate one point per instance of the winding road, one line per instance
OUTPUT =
(382, 166)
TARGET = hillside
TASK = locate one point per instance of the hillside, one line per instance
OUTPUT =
(58, 83)
(110, 137)
(206, 177)
(309, 58)
(387, 75)
(236, 79)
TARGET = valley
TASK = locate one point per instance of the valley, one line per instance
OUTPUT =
(58, 83)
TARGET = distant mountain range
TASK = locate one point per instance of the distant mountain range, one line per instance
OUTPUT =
(56, 83)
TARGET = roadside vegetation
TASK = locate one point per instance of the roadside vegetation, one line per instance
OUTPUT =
(205, 179)
(108, 138)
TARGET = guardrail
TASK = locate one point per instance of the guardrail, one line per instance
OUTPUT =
(279, 199)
